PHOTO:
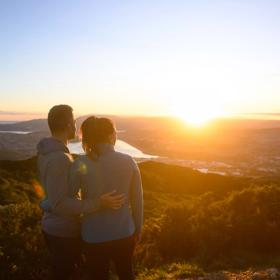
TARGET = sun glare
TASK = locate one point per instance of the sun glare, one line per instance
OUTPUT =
(195, 120)
(197, 115)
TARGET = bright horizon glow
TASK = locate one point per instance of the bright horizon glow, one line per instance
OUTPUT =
(195, 119)
(197, 111)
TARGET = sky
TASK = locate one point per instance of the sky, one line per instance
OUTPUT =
(194, 59)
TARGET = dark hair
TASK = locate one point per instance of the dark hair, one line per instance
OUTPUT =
(96, 131)
(59, 117)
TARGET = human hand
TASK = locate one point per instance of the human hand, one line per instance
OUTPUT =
(112, 200)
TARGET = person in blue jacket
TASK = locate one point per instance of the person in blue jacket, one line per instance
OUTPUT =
(108, 235)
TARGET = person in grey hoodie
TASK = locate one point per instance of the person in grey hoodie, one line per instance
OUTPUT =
(108, 235)
(61, 218)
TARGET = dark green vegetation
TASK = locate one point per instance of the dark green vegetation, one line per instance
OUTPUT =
(192, 221)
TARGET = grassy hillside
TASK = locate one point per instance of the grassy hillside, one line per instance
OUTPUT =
(194, 223)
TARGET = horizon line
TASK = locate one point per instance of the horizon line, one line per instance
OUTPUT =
(241, 116)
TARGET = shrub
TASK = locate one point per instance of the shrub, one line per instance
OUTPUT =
(22, 253)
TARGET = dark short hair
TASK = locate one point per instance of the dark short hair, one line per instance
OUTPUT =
(96, 131)
(59, 117)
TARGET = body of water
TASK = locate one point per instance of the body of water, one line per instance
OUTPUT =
(7, 122)
(121, 146)
(12, 131)
(15, 132)
(206, 170)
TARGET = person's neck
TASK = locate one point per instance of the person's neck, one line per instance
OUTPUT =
(62, 138)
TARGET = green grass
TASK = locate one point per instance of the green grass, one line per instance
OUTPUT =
(173, 271)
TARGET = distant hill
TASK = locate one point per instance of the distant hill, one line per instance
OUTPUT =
(32, 125)
(167, 178)
(242, 143)
(11, 155)
(151, 123)
(19, 146)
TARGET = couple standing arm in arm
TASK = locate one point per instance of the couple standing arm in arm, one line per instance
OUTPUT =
(62, 200)
(63, 182)
(112, 198)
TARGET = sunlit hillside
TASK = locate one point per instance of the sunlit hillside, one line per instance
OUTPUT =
(192, 91)
(195, 223)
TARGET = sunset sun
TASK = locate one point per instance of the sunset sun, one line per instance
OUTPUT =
(196, 119)
(197, 113)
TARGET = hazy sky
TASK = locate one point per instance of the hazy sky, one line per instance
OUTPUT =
(140, 57)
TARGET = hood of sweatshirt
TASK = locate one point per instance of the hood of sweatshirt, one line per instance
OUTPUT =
(51, 145)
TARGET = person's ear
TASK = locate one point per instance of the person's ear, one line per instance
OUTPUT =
(113, 138)
(84, 146)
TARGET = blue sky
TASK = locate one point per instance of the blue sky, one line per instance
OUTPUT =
(140, 57)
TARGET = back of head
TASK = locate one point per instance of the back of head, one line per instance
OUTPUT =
(97, 131)
(104, 130)
(59, 117)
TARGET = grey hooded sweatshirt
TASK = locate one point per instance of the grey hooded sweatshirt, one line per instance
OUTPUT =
(54, 162)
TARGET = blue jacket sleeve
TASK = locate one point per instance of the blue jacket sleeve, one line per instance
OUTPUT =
(61, 198)
(136, 198)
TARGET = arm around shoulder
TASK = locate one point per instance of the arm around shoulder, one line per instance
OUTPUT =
(57, 187)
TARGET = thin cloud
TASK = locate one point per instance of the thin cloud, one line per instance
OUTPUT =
(17, 113)
(264, 114)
